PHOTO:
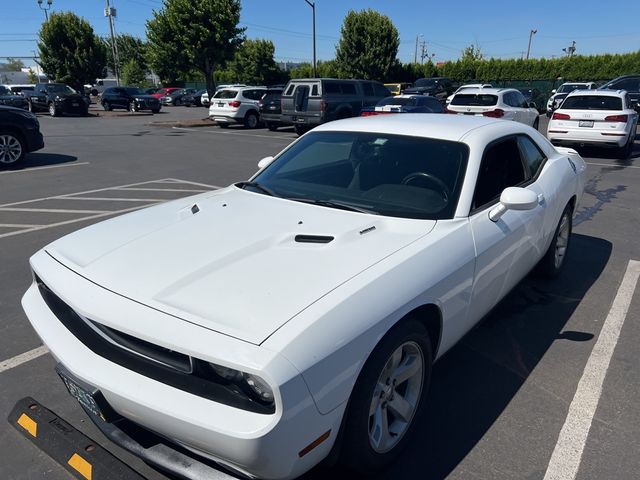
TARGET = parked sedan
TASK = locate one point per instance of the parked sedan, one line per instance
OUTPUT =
(176, 98)
(163, 92)
(603, 118)
(9, 99)
(193, 99)
(57, 99)
(404, 104)
(19, 135)
(129, 98)
(505, 103)
(271, 322)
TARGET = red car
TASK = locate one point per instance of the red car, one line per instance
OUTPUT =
(164, 92)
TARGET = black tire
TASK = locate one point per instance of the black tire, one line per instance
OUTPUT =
(551, 265)
(342, 114)
(16, 148)
(107, 107)
(223, 125)
(132, 107)
(155, 110)
(178, 102)
(251, 120)
(272, 126)
(359, 430)
(300, 130)
(30, 107)
(536, 123)
(624, 152)
(53, 111)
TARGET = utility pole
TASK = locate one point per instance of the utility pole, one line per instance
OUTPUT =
(415, 53)
(110, 12)
(531, 34)
(570, 50)
(46, 9)
(313, 7)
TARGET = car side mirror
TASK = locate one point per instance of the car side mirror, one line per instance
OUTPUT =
(533, 105)
(553, 91)
(264, 162)
(514, 198)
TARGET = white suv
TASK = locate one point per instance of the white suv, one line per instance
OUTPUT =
(237, 105)
(468, 87)
(595, 117)
(563, 90)
(505, 103)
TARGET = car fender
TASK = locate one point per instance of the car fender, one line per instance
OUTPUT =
(330, 340)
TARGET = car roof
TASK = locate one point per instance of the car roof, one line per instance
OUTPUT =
(445, 127)
(598, 93)
(578, 83)
(487, 90)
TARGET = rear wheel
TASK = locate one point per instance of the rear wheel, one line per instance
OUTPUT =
(155, 110)
(388, 398)
(132, 107)
(107, 107)
(251, 120)
(53, 111)
(624, 152)
(300, 130)
(553, 261)
(272, 126)
(223, 125)
(12, 148)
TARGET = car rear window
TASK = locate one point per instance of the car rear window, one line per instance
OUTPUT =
(592, 102)
(225, 94)
(397, 101)
(474, 100)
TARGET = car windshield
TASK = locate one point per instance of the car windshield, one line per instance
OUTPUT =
(426, 82)
(57, 88)
(225, 94)
(397, 101)
(571, 87)
(379, 173)
(474, 100)
(4, 90)
(133, 91)
(592, 102)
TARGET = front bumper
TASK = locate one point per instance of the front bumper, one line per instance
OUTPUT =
(252, 444)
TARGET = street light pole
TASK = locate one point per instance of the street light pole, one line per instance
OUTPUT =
(46, 9)
(110, 13)
(531, 34)
(313, 7)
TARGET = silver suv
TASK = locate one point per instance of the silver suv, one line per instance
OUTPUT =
(236, 105)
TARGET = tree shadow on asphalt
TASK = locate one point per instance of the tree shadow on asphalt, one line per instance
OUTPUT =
(41, 160)
(475, 381)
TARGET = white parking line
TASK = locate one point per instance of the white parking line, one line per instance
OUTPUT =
(612, 165)
(22, 358)
(213, 187)
(134, 189)
(47, 167)
(219, 132)
(18, 225)
(114, 199)
(567, 454)
(49, 210)
(75, 220)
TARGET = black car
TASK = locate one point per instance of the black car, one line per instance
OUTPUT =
(405, 104)
(193, 99)
(19, 135)
(630, 83)
(9, 99)
(438, 87)
(176, 98)
(58, 99)
(270, 108)
(129, 98)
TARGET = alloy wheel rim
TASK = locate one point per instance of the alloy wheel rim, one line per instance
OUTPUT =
(562, 241)
(52, 109)
(396, 397)
(10, 149)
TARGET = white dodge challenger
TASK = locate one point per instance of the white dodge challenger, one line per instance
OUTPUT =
(256, 330)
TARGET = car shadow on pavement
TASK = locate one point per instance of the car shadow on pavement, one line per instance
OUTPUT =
(41, 160)
(475, 381)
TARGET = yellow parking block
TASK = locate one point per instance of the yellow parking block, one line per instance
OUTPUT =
(83, 467)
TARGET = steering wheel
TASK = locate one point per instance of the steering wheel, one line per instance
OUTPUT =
(441, 186)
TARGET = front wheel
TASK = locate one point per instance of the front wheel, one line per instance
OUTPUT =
(155, 110)
(106, 106)
(300, 130)
(272, 126)
(53, 111)
(12, 148)
(554, 259)
(388, 399)
(132, 107)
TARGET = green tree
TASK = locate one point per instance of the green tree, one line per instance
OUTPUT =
(129, 48)
(254, 63)
(33, 78)
(69, 50)
(368, 45)
(472, 53)
(133, 74)
(13, 64)
(194, 34)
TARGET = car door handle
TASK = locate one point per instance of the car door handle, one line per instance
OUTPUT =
(540, 198)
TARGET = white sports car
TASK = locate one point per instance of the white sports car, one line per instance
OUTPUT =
(274, 323)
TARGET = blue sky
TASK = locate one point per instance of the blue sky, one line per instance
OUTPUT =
(500, 27)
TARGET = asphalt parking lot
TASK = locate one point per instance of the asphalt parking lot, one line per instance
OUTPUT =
(516, 389)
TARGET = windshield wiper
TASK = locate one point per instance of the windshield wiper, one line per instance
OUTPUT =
(334, 204)
(257, 186)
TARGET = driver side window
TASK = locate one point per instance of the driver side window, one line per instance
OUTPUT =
(501, 167)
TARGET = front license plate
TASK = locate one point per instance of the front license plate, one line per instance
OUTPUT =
(75, 104)
(89, 400)
(585, 123)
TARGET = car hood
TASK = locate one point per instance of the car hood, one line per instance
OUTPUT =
(229, 260)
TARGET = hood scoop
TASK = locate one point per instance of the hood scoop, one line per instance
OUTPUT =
(313, 239)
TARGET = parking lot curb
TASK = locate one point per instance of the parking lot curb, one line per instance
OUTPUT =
(188, 124)
(77, 453)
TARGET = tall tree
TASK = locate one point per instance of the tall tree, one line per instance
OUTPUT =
(472, 53)
(368, 45)
(129, 48)
(69, 50)
(133, 74)
(196, 34)
(254, 63)
(13, 64)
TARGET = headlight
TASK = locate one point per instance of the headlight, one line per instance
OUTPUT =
(253, 385)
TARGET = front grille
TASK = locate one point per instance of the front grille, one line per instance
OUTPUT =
(149, 359)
